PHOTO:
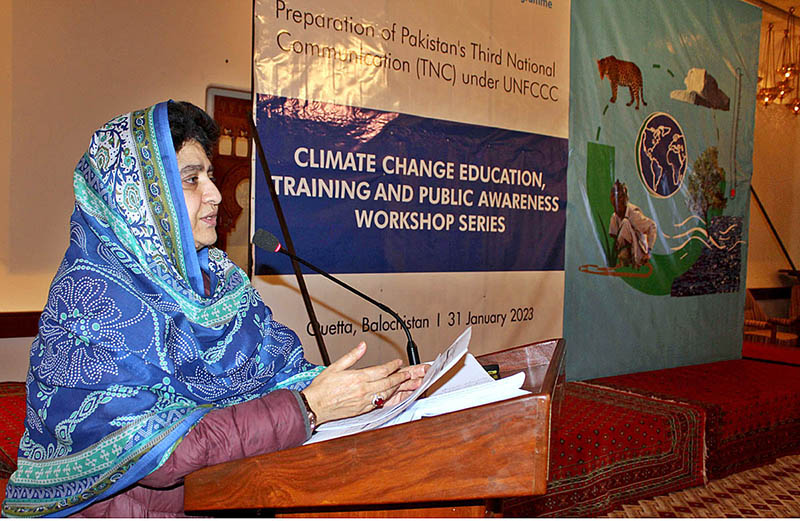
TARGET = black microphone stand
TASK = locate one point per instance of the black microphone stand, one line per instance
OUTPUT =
(312, 317)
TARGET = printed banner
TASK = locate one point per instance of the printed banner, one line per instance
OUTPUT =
(419, 151)
(417, 190)
(661, 136)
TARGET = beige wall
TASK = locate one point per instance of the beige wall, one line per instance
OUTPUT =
(75, 64)
(776, 180)
(67, 66)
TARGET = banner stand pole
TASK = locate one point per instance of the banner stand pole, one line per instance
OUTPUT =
(289, 245)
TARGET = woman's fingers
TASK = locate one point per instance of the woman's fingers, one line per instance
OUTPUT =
(389, 396)
(350, 358)
(398, 397)
(412, 384)
(377, 372)
(416, 374)
(341, 392)
(416, 371)
(393, 381)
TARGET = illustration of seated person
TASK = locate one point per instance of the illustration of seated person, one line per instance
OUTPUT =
(634, 233)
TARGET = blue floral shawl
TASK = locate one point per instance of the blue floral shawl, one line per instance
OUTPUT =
(130, 352)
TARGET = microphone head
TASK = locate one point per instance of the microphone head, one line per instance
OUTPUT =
(266, 241)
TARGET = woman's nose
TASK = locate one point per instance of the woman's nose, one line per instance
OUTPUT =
(212, 194)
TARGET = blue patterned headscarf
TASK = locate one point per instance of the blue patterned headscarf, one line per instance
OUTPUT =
(131, 353)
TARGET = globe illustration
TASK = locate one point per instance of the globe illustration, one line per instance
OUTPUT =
(661, 154)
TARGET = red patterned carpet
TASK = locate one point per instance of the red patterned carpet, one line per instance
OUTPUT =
(753, 408)
(12, 414)
(609, 447)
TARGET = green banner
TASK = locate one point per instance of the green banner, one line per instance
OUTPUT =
(662, 103)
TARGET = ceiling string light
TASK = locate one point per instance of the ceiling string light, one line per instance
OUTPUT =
(787, 68)
(791, 68)
(779, 74)
(768, 92)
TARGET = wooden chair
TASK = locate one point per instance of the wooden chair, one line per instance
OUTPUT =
(790, 324)
(758, 327)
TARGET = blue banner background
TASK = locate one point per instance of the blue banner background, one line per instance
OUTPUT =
(324, 230)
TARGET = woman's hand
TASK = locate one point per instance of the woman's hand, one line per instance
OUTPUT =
(341, 392)
(416, 375)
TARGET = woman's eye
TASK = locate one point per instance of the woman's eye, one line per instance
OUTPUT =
(190, 180)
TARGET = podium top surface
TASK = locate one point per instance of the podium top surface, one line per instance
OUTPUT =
(542, 362)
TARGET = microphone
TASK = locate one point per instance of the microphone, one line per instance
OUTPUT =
(266, 241)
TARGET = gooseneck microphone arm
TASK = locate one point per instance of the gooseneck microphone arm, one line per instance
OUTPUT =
(266, 241)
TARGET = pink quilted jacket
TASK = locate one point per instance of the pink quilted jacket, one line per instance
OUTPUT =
(274, 422)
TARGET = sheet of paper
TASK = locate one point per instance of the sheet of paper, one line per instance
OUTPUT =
(468, 372)
(378, 417)
(464, 398)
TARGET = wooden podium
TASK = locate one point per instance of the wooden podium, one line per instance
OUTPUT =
(456, 464)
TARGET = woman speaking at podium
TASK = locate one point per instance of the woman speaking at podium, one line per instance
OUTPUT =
(155, 355)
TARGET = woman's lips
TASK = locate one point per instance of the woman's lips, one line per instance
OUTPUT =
(210, 220)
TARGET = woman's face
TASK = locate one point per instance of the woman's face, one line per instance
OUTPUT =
(201, 195)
